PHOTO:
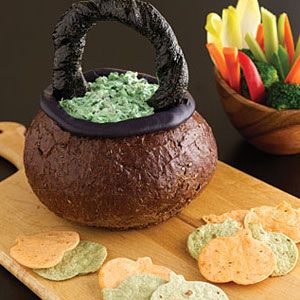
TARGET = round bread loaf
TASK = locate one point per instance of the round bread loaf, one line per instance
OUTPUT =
(123, 183)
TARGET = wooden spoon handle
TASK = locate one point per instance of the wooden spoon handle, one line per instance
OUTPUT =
(12, 139)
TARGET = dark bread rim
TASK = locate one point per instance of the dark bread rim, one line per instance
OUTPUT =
(162, 120)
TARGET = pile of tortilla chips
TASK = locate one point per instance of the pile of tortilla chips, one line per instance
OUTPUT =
(126, 279)
(58, 255)
(247, 246)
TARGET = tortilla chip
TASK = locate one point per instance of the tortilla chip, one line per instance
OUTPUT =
(140, 286)
(43, 250)
(284, 248)
(86, 258)
(179, 288)
(240, 259)
(282, 218)
(117, 270)
(201, 236)
(236, 215)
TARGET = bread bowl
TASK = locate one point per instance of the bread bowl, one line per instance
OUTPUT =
(125, 175)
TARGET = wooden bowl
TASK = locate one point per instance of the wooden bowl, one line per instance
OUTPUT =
(270, 130)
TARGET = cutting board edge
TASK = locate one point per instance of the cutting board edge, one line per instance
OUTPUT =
(24, 277)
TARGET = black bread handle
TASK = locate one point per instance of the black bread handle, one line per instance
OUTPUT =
(70, 37)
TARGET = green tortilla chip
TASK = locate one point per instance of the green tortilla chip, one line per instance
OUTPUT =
(139, 287)
(201, 236)
(284, 248)
(86, 258)
(179, 288)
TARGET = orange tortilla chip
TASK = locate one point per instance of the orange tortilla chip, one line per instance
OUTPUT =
(43, 250)
(240, 259)
(117, 270)
(235, 215)
(282, 218)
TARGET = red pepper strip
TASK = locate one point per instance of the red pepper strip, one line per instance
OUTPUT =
(255, 84)
(289, 40)
(233, 67)
(294, 75)
(218, 58)
(260, 36)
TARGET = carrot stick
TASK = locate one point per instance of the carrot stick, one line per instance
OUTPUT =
(294, 75)
(297, 50)
(289, 40)
(260, 37)
(218, 59)
(233, 67)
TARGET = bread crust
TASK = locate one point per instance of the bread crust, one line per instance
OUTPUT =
(123, 183)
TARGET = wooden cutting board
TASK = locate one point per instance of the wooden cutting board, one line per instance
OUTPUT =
(22, 213)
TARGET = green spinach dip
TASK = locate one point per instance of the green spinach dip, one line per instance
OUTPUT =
(115, 98)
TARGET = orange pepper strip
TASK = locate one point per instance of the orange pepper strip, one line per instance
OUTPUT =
(294, 75)
(260, 36)
(289, 40)
(233, 67)
(218, 59)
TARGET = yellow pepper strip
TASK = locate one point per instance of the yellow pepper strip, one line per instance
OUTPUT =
(255, 48)
(231, 34)
(214, 24)
(214, 29)
(270, 31)
(250, 17)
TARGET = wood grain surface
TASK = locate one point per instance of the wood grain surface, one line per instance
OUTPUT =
(22, 213)
(270, 130)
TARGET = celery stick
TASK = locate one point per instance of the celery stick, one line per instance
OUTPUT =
(284, 59)
(275, 61)
(231, 34)
(255, 48)
(270, 31)
(250, 17)
(281, 30)
(297, 52)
